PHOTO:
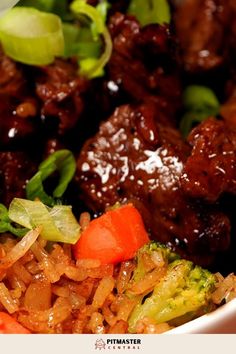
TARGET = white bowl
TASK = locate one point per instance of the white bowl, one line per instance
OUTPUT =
(222, 320)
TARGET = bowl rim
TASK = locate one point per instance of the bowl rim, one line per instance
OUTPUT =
(222, 320)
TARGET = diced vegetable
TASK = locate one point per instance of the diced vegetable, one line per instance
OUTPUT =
(152, 11)
(200, 103)
(113, 237)
(62, 161)
(58, 223)
(8, 325)
(31, 36)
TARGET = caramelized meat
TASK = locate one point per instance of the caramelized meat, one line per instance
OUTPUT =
(143, 65)
(13, 127)
(34, 101)
(15, 169)
(17, 106)
(12, 80)
(211, 169)
(135, 158)
(30, 98)
(228, 111)
(203, 28)
(61, 90)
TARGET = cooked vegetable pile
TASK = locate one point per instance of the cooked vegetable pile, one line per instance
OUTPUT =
(117, 164)
(107, 290)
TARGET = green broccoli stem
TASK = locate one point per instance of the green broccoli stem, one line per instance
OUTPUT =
(165, 289)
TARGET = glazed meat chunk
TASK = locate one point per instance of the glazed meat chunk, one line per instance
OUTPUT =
(15, 169)
(211, 169)
(39, 101)
(18, 107)
(61, 91)
(134, 158)
(204, 28)
(143, 65)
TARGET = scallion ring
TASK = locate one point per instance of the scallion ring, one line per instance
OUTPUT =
(79, 7)
(62, 161)
(58, 223)
(31, 36)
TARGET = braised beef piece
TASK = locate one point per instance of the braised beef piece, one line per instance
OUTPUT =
(17, 105)
(38, 101)
(61, 90)
(143, 65)
(38, 105)
(15, 169)
(12, 80)
(228, 109)
(13, 127)
(210, 170)
(205, 32)
(136, 158)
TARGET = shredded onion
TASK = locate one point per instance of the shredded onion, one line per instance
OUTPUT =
(148, 282)
(45, 321)
(105, 287)
(7, 300)
(20, 249)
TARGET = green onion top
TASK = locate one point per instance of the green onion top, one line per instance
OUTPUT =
(62, 161)
(150, 11)
(31, 36)
(200, 102)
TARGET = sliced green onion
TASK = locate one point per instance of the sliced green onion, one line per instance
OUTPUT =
(62, 161)
(79, 42)
(200, 102)
(58, 7)
(6, 226)
(87, 64)
(192, 118)
(103, 60)
(58, 223)
(42, 5)
(150, 11)
(195, 96)
(102, 8)
(31, 36)
(79, 7)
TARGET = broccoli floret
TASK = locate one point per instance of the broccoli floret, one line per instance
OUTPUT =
(184, 289)
(152, 248)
